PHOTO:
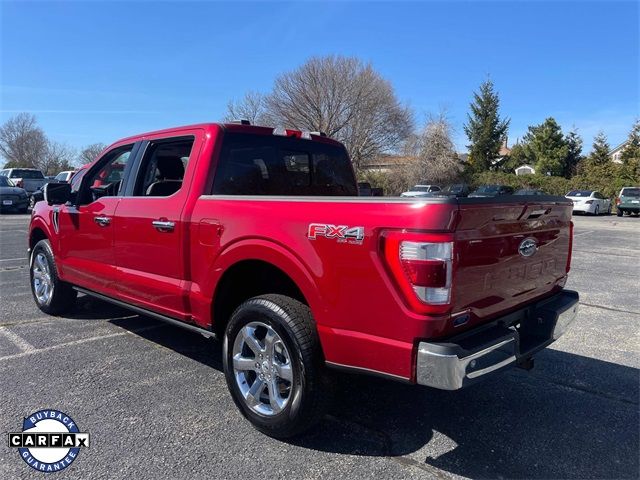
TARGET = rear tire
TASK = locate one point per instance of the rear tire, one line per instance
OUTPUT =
(619, 212)
(596, 212)
(52, 295)
(274, 366)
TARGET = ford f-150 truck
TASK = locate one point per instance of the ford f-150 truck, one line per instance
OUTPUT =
(257, 236)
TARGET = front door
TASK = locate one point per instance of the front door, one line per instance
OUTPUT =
(86, 229)
(149, 227)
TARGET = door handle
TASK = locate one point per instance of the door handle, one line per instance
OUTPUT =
(163, 225)
(102, 221)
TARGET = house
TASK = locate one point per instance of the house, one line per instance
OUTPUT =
(525, 170)
(616, 153)
(388, 163)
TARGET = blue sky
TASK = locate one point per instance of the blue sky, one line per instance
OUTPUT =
(97, 71)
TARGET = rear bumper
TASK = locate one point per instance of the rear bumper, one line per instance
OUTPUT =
(513, 339)
(585, 208)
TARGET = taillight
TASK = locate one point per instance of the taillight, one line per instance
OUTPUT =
(570, 246)
(20, 184)
(618, 201)
(422, 267)
(589, 202)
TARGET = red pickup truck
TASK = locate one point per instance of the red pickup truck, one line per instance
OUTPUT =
(257, 236)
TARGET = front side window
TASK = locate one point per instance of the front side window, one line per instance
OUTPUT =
(273, 165)
(106, 181)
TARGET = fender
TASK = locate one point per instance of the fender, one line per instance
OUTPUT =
(268, 252)
(38, 221)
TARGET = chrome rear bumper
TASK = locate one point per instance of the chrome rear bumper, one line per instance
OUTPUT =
(471, 356)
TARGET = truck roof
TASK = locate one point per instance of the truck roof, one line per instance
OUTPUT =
(233, 127)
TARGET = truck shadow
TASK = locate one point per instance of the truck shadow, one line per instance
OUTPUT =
(570, 417)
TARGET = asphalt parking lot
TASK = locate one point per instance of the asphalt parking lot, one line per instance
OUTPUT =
(154, 399)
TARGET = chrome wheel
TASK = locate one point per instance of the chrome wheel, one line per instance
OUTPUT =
(262, 368)
(42, 281)
(32, 202)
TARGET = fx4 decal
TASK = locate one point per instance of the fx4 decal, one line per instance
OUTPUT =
(342, 233)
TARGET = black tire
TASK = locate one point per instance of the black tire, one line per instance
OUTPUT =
(63, 296)
(619, 212)
(596, 212)
(311, 390)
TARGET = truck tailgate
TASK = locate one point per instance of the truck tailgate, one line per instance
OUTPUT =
(509, 251)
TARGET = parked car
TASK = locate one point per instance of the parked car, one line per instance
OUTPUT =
(64, 176)
(28, 178)
(421, 191)
(247, 234)
(364, 189)
(456, 190)
(589, 201)
(529, 191)
(491, 191)
(12, 197)
(628, 201)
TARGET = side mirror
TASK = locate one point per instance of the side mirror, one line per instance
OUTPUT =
(57, 193)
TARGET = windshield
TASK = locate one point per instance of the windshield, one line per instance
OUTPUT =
(580, 193)
(455, 188)
(488, 189)
(5, 182)
(420, 188)
(630, 192)
(26, 174)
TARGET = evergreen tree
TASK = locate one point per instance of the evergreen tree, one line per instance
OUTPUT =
(546, 144)
(574, 142)
(485, 129)
(631, 156)
(632, 149)
(600, 151)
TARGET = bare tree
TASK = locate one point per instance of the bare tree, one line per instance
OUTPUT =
(90, 152)
(343, 97)
(437, 160)
(22, 142)
(251, 107)
(57, 158)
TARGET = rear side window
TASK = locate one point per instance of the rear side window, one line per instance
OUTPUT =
(265, 165)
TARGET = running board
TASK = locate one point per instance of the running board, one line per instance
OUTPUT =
(148, 313)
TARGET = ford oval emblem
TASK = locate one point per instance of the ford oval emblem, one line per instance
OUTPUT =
(528, 247)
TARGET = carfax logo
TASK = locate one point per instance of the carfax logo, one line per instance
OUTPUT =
(50, 440)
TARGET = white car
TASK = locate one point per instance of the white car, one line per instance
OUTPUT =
(421, 191)
(589, 201)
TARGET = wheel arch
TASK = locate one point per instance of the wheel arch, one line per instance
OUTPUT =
(249, 269)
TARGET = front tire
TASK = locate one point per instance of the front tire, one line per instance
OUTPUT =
(619, 212)
(274, 366)
(52, 295)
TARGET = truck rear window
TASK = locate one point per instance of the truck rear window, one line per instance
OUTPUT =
(26, 174)
(273, 165)
(630, 192)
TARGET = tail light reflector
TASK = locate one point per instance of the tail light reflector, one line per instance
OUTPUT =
(422, 267)
(570, 246)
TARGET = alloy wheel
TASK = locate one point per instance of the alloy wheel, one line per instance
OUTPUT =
(42, 281)
(262, 369)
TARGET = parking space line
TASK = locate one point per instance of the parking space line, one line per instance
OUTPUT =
(582, 233)
(12, 259)
(77, 342)
(17, 340)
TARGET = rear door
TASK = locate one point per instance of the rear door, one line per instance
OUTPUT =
(150, 230)
(508, 252)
